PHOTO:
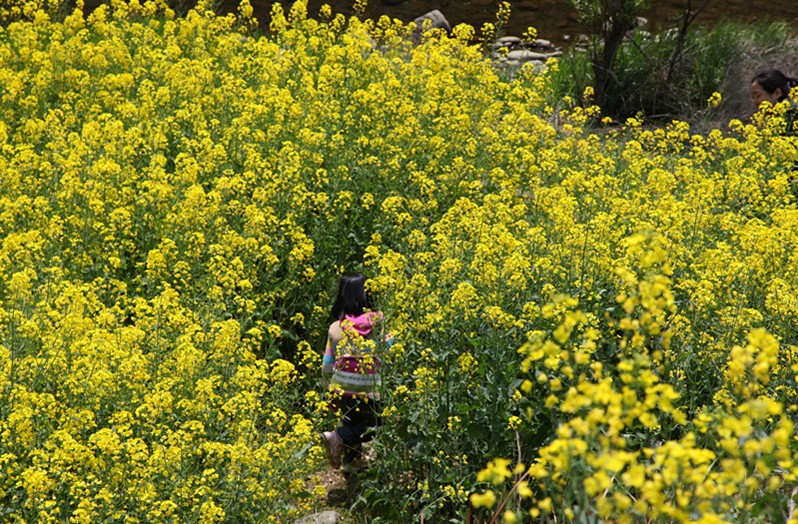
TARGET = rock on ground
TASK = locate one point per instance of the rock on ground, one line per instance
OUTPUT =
(324, 517)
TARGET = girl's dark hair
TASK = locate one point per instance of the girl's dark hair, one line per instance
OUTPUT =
(352, 298)
(772, 79)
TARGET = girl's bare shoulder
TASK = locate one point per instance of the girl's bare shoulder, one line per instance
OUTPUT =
(335, 332)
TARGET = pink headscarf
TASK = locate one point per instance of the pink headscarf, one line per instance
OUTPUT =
(361, 324)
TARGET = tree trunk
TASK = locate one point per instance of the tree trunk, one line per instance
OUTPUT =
(603, 62)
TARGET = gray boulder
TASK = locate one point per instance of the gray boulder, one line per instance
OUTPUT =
(508, 40)
(523, 55)
(436, 17)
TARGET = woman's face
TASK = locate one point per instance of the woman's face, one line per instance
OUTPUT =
(759, 95)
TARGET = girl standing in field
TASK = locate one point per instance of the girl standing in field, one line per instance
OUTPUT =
(773, 86)
(352, 371)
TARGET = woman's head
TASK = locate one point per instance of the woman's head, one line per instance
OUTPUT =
(352, 298)
(771, 86)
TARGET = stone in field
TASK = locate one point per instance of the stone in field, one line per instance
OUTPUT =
(525, 56)
(508, 40)
(436, 17)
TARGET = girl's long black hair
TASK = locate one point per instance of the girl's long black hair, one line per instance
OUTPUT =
(352, 298)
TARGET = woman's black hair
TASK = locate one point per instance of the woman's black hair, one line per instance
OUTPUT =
(772, 79)
(352, 298)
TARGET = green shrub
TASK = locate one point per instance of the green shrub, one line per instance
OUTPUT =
(659, 79)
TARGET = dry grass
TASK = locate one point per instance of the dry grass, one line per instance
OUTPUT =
(754, 58)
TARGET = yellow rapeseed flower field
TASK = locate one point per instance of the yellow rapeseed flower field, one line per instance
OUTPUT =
(590, 324)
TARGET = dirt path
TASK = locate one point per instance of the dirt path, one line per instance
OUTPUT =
(340, 493)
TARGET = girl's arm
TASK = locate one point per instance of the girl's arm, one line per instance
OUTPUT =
(328, 360)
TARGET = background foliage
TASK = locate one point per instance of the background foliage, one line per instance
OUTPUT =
(670, 73)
